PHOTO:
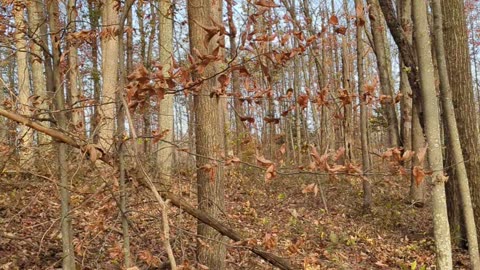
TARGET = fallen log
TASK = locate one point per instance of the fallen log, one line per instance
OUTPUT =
(176, 200)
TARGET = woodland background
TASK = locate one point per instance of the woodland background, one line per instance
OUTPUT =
(208, 134)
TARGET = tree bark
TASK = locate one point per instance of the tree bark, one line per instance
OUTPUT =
(209, 131)
(367, 189)
(460, 76)
(36, 24)
(165, 113)
(25, 135)
(432, 130)
(109, 41)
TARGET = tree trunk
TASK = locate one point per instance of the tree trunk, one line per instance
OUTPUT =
(95, 73)
(460, 77)
(25, 135)
(432, 130)
(237, 104)
(36, 19)
(165, 113)
(78, 121)
(367, 189)
(109, 43)
(68, 262)
(209, 132)
(454, 138)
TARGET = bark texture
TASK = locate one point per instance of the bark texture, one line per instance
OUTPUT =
(460, 76)
(209, 130)
(25, 135)
(109, 41)
(165, 113)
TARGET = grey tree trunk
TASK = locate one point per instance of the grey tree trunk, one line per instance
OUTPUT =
(165, 113)
(432, 130)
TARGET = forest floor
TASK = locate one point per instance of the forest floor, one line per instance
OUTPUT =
(314, 233)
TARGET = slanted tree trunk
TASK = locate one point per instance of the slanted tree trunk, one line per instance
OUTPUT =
(25, 135)
(460, 77)
(109, 41)
(165, 113)
(432, 130)
(208, 131)
(453, 136)
(68, 261)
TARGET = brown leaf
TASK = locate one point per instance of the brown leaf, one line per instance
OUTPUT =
(263, 161)
(333, 20)
(418, 174)
(341, 30)
(157, 136)
(303, 101)
(270, 173)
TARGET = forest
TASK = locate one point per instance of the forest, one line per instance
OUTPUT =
(239, 134)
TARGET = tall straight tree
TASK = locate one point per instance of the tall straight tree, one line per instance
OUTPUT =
(74, 87)
(165, 112)
(432, 131)
(37, 31)
(367, 189)
(208, 127)
(68, 258)
(109, 41)
(25, 135)
(460, 77)
(93, 17)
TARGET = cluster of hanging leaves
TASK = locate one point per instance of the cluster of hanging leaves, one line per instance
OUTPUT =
(328, 163)
(270, 172)
(397, 158)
